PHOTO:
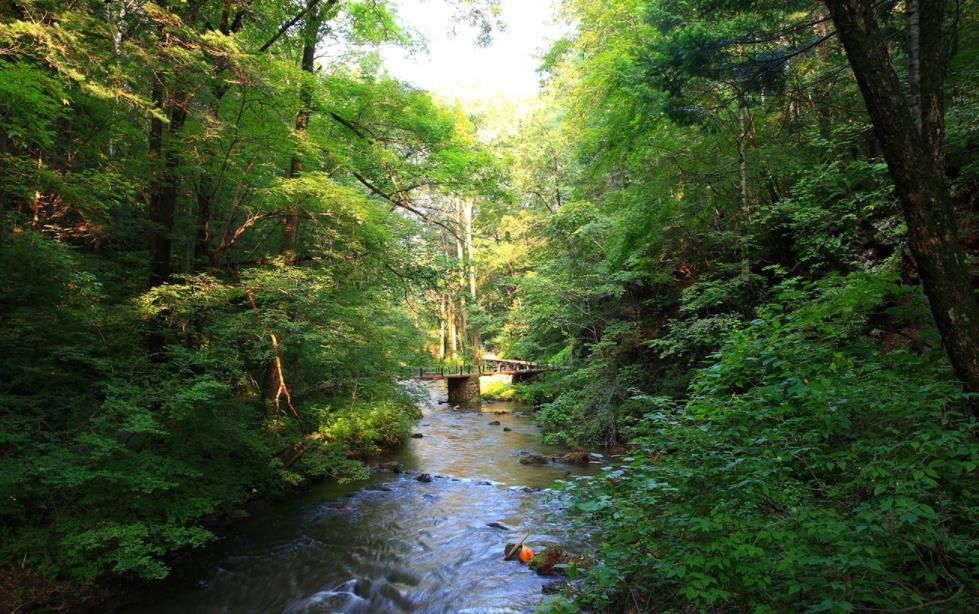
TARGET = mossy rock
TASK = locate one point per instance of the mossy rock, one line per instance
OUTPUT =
(534, 459)
(577, 456)
(546, 562)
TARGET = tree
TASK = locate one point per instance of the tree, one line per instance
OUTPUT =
(913, 146)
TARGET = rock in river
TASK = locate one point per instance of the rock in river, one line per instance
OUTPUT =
(554, 560)
(495, 423)
(577, 456)
(417, 435)
(534, 459)
(424, 477)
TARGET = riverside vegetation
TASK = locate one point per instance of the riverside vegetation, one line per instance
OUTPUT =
(747, 231)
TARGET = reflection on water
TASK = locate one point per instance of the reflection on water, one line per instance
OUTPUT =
(394, 544)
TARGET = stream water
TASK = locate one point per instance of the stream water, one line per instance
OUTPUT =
(393, 543)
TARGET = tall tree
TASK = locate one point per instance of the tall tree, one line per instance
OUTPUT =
(311, 26)
(912, 144)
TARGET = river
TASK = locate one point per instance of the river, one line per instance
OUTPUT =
(393, 543)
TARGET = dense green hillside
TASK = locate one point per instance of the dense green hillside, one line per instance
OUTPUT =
(747, 232)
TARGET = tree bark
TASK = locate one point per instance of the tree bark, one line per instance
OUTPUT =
(162, 195)
(926, 72)
(461, 259)
(919, 178)
(442, 327)
(467, 214)
(206, 183)
(164, 184)
(470, 249)
(453, 333)
(310, 32)
(743, 157)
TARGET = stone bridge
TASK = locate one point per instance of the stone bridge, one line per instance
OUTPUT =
(463, 381)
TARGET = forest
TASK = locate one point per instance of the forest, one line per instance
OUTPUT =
(746, 233)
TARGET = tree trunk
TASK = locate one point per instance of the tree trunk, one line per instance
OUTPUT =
(442, 327)
(926, 73)
(160, 211)
(453, 333)
(919, 179)
(206, 184)
(824, 111)
(461, 258)
(310, 33)
(467, 214)
(470, 250)
(743, 157)
(202, 239)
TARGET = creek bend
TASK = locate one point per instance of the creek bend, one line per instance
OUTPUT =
(392, 543)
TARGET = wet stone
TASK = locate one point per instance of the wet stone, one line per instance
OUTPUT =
(578, 456)
(534, 459)
(424, 477)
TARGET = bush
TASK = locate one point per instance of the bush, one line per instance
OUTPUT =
(808, 471)
(499, 391)
(112, 462)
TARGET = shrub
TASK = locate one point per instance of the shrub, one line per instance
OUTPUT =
(808, 471)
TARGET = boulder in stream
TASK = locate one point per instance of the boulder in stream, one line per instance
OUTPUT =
(554, 560)
(424, 477)
(393, 467)
(534, 459)
(417, 435)
(507, 429)
(577, 456)
(498, 525)
(495, 423)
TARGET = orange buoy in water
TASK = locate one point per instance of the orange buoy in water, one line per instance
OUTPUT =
(526, 554)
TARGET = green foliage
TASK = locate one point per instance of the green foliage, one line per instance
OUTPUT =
(132, 418)
(704, 234)
(499, 391)
(112, 462)
(801, 454)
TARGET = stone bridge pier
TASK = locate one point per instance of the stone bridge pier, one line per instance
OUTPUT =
(463, 388)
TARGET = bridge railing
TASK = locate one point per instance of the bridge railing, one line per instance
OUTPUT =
(487, 367)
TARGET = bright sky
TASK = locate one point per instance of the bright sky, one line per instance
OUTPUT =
(455, 68)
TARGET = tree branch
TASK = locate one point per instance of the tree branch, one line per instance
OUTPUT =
(285, 27)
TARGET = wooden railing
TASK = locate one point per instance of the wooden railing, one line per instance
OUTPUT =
(487, 367)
